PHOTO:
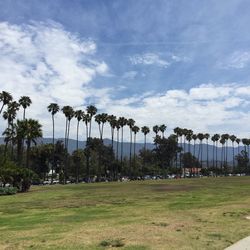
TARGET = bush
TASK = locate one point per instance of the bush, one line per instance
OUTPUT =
(18, 177)
(8, 190)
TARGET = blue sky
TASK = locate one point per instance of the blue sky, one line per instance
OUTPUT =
(182, 63)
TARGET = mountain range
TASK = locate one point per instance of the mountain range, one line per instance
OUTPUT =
(139, 146)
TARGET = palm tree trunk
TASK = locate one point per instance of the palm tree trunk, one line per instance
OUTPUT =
(233, 156)
(130, 155)
(134, 148)
(216, 151)
(28, 154)
(24, 113)
(207, 155)
(122, 148)
(117, 145)
(77, 146)
(1, 109)
(66, 130)
(53, 139)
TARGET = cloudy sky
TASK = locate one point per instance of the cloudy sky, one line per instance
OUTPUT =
(181, 63)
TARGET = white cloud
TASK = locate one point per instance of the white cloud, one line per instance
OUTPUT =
(52, 65)
(237, 60)
(130, 75)
(206, 108)
(148, 59)
(49, 64)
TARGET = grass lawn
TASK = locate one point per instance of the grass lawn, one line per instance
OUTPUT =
(206, 213)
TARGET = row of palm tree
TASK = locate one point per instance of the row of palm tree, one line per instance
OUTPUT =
(18, 131)
(117, 124)
(223, 139)
(102, 118)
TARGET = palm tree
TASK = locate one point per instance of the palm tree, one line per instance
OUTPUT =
(213, 140)
(189, 137)
(32, 132)
(233, 138)
(184, 133)
(117, 138)
(206, 136)
(145, 130)
(86, 120)
(216, 138)
(178, 133)
(25, 102)
(162, 129)
(69, 114)
(135, 130)
(194, 137)
(225, 137)
(222, 141)
(79, 116)
(156, 130)
(101, 119)
(91, 110)
(130, 123)
(238, 140)
(5, 98)
(200, 136)
(122, 122)
(9, 135)
(53, 108)
(112, 122)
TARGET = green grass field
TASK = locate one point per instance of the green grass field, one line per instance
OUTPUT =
(208, 213)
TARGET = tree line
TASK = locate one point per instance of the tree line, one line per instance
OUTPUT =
(170, 154)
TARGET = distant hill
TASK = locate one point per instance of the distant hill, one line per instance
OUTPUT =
(139, 146)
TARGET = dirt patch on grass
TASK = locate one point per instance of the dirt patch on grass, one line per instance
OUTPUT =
(172, 188)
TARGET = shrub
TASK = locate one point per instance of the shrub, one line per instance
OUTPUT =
(8, 190)
(18, 177)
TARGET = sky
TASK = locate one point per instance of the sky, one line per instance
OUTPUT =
(179, 63)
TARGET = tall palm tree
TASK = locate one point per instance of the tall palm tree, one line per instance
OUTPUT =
(53, 108)
(178, 133)
(213, 140)
(207, 136)
(162, 129)
(200, 137)
(238, 140)
(233, 139)
(86, 120)
(122, 122)
(101, 119)
(69, 114)
(216, 138)
(130, 123)
(184, 133)
(189, 137)
(194, 137)
(222, 141)
(112, 122)
(135, 130)
(25, 102)
(5, 98)
(226, 138)
(145, 130)
(117, 138)
(79, 116)
(91, 110)
(156, 130)
(32, 132)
